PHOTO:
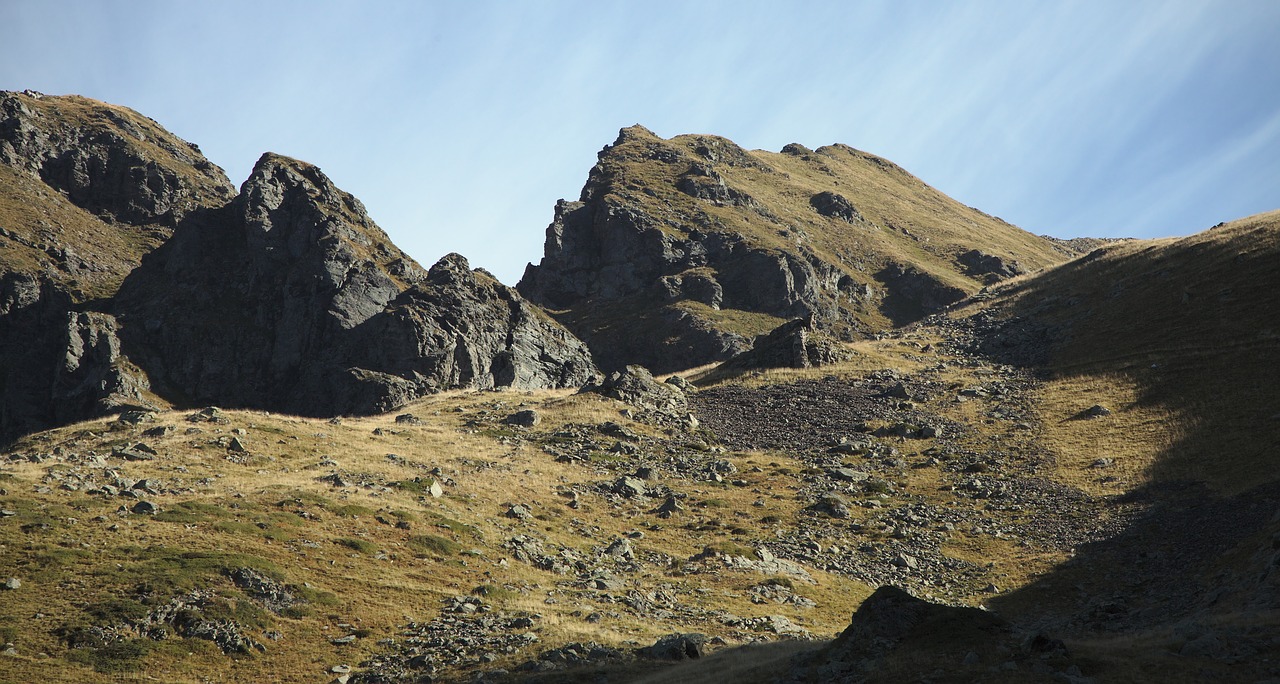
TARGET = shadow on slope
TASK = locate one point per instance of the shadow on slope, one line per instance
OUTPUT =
(1191, 589)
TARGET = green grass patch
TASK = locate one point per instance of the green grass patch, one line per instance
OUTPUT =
(358, 545)
(351, 510)
(191, 512)
(493, 592)
(433, 545)
(418, 485)
(116, 610)
(454, 526)
(124, 656)
(166, 571)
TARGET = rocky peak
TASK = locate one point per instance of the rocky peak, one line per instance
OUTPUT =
(106, 159)
(292, 299)
(86, 190)
(710, 245)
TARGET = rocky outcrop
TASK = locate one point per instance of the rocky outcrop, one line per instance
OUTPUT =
(108, 160)
(679, 252)
(86, 189)
(989, 267)
(636, 386)
(290, 298)
(794, 344)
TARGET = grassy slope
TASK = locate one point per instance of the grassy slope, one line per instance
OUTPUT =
(239, 510)
(39, 221)
(242, 511)
(1177, 337)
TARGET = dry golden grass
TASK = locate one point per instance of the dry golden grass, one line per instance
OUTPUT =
(1132, 438)
(242, 509)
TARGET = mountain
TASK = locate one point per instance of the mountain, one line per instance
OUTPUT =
(680, 251)
(86, 189)
(133, 275)
(1068, 474)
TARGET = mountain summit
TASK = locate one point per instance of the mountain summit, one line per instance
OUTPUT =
(680, 251)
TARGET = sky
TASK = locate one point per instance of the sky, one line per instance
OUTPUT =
(460, 123)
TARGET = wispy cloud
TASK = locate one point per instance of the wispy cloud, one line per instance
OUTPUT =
(459, 124)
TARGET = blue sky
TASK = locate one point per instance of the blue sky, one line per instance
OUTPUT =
(459, 124)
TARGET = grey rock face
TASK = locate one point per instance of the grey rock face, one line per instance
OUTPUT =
(912, 294)
(292, 299)
(93, 378)
(58, 365)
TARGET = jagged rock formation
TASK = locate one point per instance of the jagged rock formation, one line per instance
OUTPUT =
(86, 189)
(291, 298)
(679, 252)
(283, 297)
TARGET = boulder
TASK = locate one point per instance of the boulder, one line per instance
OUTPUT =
(525, 418)
(636, 386)
(794, 344)
(677, 647)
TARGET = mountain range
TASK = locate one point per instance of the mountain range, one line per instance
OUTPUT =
(753, 416)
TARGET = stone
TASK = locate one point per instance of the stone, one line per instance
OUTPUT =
(145, 508)
(135, 417)
(904, 561)
(1097, 411)
(677, 647)
(993, 268)
(519, 512)
(848, 474)
(630, 487)
(236, 446)
(408, 419)
(668, 508)
(836, 206)
(525, 418)
(636, 386)
(11, 584)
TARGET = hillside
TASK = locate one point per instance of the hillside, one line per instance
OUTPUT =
(962, 454)
(680, 251)
(960, 460)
